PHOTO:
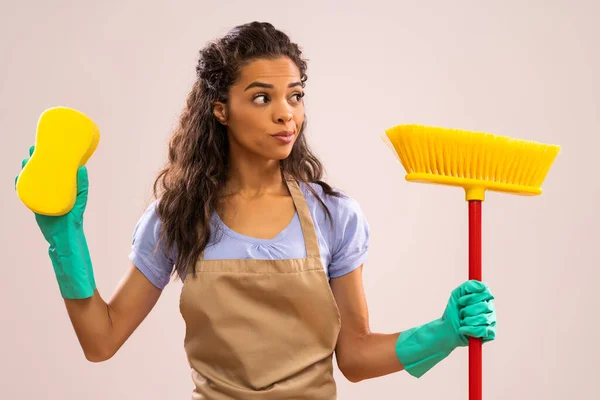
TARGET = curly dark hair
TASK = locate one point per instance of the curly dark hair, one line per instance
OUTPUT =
(196, 171)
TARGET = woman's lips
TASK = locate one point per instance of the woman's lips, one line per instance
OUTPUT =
(284, 137)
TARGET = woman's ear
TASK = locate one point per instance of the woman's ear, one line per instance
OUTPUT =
(220, 112)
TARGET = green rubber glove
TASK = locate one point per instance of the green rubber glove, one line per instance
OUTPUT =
(68, 249)
(470, 312)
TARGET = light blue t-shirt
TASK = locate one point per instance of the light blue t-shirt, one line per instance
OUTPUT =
(343, 248)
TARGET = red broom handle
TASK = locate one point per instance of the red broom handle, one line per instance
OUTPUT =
(475, 387)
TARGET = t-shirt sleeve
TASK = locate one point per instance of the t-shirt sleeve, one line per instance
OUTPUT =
(150, 259)
(351, 237)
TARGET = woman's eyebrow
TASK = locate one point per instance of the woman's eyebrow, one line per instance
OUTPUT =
(268, 85)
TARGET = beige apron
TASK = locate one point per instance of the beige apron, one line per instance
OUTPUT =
(262, 329)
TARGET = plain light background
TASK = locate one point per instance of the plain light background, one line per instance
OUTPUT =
(523, 69)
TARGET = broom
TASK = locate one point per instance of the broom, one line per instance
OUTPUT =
(476, 162)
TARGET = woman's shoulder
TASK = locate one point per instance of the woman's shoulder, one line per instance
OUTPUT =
(147, 253)
(348, 235)
(341, 202)
(149, 218)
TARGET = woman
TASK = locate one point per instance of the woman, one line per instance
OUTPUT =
(270, 255)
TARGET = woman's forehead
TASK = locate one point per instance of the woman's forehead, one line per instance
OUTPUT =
(275, 71)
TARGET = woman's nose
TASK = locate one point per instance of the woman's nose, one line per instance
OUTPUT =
(283, 113)
(284, 117)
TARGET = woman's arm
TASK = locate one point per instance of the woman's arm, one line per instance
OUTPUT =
(103, 327)
(360, 353)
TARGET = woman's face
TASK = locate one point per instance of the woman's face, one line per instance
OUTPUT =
(265, 109)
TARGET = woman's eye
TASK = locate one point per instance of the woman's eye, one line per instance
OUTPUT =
(260, 96)
(298, 96)
(263, 98)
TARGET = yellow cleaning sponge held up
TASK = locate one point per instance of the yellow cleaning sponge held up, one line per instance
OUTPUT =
(65, 140)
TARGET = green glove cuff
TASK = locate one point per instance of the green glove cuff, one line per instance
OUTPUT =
(72, 263)
(420, 348)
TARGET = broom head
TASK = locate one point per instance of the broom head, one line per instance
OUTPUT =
(475, 161)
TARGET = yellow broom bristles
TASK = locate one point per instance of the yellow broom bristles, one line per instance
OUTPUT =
(476, 161)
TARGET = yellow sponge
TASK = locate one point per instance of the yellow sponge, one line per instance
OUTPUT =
(65, 140)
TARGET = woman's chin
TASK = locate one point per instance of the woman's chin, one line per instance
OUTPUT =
(281, 153)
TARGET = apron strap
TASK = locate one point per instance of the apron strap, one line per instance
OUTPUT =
(308, 228)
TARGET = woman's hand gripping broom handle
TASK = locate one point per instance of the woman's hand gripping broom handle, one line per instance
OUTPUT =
(475, 367)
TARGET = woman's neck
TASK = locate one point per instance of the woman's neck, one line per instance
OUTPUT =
(254, 177)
